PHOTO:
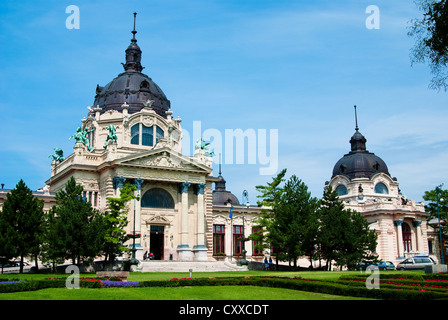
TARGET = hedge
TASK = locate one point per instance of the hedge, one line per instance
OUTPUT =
(339, 287)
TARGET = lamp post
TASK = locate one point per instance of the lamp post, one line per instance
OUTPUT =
(245, 195)
(440, 228)
(133, 261)
(137, 183)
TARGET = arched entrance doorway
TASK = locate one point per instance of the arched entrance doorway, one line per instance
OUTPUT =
(406, 230)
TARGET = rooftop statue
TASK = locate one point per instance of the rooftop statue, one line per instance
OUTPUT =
(58, 156)
(111, 136)
(202, 145)
(81, 136)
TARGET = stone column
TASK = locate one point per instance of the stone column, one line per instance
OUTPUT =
(398, 224)
(200, 250)
(418, 235)
(184, 250)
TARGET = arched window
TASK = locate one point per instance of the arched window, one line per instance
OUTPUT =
(157, 198)
(135, 133)
(406, 230)
(147, 136)
(341, 190)
(381, 188)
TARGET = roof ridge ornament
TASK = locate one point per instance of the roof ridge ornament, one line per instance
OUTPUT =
(356, 120)
(133, 53)
(134, 31)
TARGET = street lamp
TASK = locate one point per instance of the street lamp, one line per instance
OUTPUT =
(440, 228)
(133, 260)
(245, 203)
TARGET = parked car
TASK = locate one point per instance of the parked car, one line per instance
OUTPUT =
(386, 265)
(364, 264)
(14, 267)
(418, 262)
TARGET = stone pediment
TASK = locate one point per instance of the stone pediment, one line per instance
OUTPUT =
(158, 219)
(163, 158)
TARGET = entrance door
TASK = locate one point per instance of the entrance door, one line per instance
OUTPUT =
(157, 241)
(406, 230)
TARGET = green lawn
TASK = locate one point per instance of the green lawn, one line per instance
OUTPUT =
(181, 293)
(147, 276)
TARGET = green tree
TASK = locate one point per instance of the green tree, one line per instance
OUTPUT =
(268, 235)
(115, 219)
(288, 218)
(330, 210)
(431, 34)
(21, 224)
(430, 198)
(296, 220)
(77, 228)
(344, 235)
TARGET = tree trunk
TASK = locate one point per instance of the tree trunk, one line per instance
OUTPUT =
(36, 263)
(21, 264)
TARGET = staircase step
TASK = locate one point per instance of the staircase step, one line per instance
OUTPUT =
(185, 266)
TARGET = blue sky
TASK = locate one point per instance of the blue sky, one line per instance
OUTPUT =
(287, 65)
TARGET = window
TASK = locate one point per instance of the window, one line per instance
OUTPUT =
(381, 188)
(406, 230)
(237, 243)
(159, 134)
(135, 134)
(91, 137)
(144, 85)
(147, 136)
(341, 190)
(218, 239)
(257, 245)
(91, 196)
(157, 198)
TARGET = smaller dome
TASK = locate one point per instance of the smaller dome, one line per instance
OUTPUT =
(359, 163)
(221, 196)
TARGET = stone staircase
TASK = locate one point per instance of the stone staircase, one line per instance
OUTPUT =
(185, 266)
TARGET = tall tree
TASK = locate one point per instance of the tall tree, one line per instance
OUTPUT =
(330, 215)
(268, 234)
(344, 235)
(21, 224)
(436, 208)
(115, 219)
(288, 219)
(77, 231)
(431, 34)
(430, 198)
(297, 220)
